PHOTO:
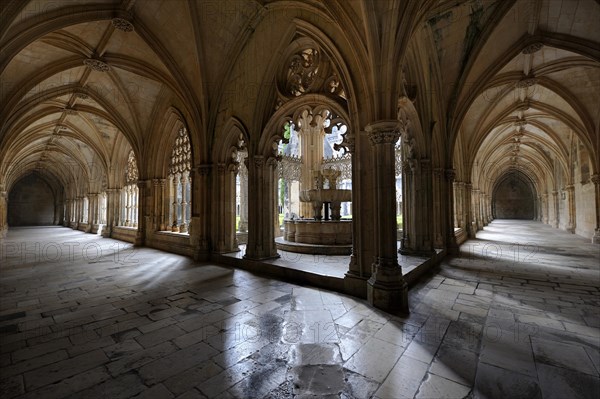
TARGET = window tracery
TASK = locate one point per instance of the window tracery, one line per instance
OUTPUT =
(129, 193)
(180, 183)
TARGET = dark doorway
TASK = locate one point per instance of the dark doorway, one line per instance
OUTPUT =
(514, 198)
(31, 202)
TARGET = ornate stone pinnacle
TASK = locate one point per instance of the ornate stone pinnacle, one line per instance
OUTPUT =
(533, 48)
(96, 64)
(122, 24)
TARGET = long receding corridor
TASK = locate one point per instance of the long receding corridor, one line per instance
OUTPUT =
(514, 316)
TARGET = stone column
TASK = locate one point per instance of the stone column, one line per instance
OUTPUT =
(438, 211)
(200, 225)
(456, 203)
(183, 228)
(477, 213)
(112, 210)
(163, 206)
(470, 224)
(451, 244)
(243, 224)
(174, 204)
(3, 212)
(571, 207)
(90, 212)
(156, 206)
(261, 211)
(142, 213)
(386, 289)
(219, 207)
(556, 209)
(546, 216)
(357, 275)
(596, 180)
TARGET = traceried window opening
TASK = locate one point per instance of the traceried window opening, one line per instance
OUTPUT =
(129, 194)
(333, 138)
(399, 160)
(180, 185)
(84, 215)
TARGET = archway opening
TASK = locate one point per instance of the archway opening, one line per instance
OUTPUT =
(514, 197)
(31, 202)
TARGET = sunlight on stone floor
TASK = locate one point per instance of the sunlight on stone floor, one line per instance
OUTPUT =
(516, 315)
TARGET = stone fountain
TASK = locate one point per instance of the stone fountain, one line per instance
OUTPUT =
(326, 233)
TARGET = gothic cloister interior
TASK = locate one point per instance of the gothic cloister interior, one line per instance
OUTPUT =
(281, 198)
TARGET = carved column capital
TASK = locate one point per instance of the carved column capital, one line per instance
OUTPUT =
(450, 175)
(383, 132)
(595, 179)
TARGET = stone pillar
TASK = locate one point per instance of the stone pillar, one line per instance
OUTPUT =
(386, 289)
(3, 212)
(357, 275)
(174, 204)
(224, 214)
(546, 216)
(163, 205)
(243, 224)
(571, 207)
(90, 212)
(142, 212)
(477, 209)
(112, 210)
(200, 225)
(261, 209)
(456, 197)
(470, 223)
(438, 211)
(451, 244)
(183, 228)
(556, 209)
(156, 206)
(596, 180)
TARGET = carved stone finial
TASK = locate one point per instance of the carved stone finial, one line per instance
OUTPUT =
(96, 64)
(122, 24)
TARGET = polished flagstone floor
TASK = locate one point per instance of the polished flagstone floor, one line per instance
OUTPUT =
(514, 316)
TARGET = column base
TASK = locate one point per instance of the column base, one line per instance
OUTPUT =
(596, 237)
(387, 290)
(355, 285)
(452, 247)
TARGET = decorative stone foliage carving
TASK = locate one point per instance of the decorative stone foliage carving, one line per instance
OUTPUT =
(526, 82)
(384, 137)
(181, 156)
(307, 69)
(96, 64)
(290, 168)
(122, 24)
(302, 71)
(131, 172)
(533, 48)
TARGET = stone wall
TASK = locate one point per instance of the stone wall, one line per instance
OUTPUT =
(31, 203)
(514, 199)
